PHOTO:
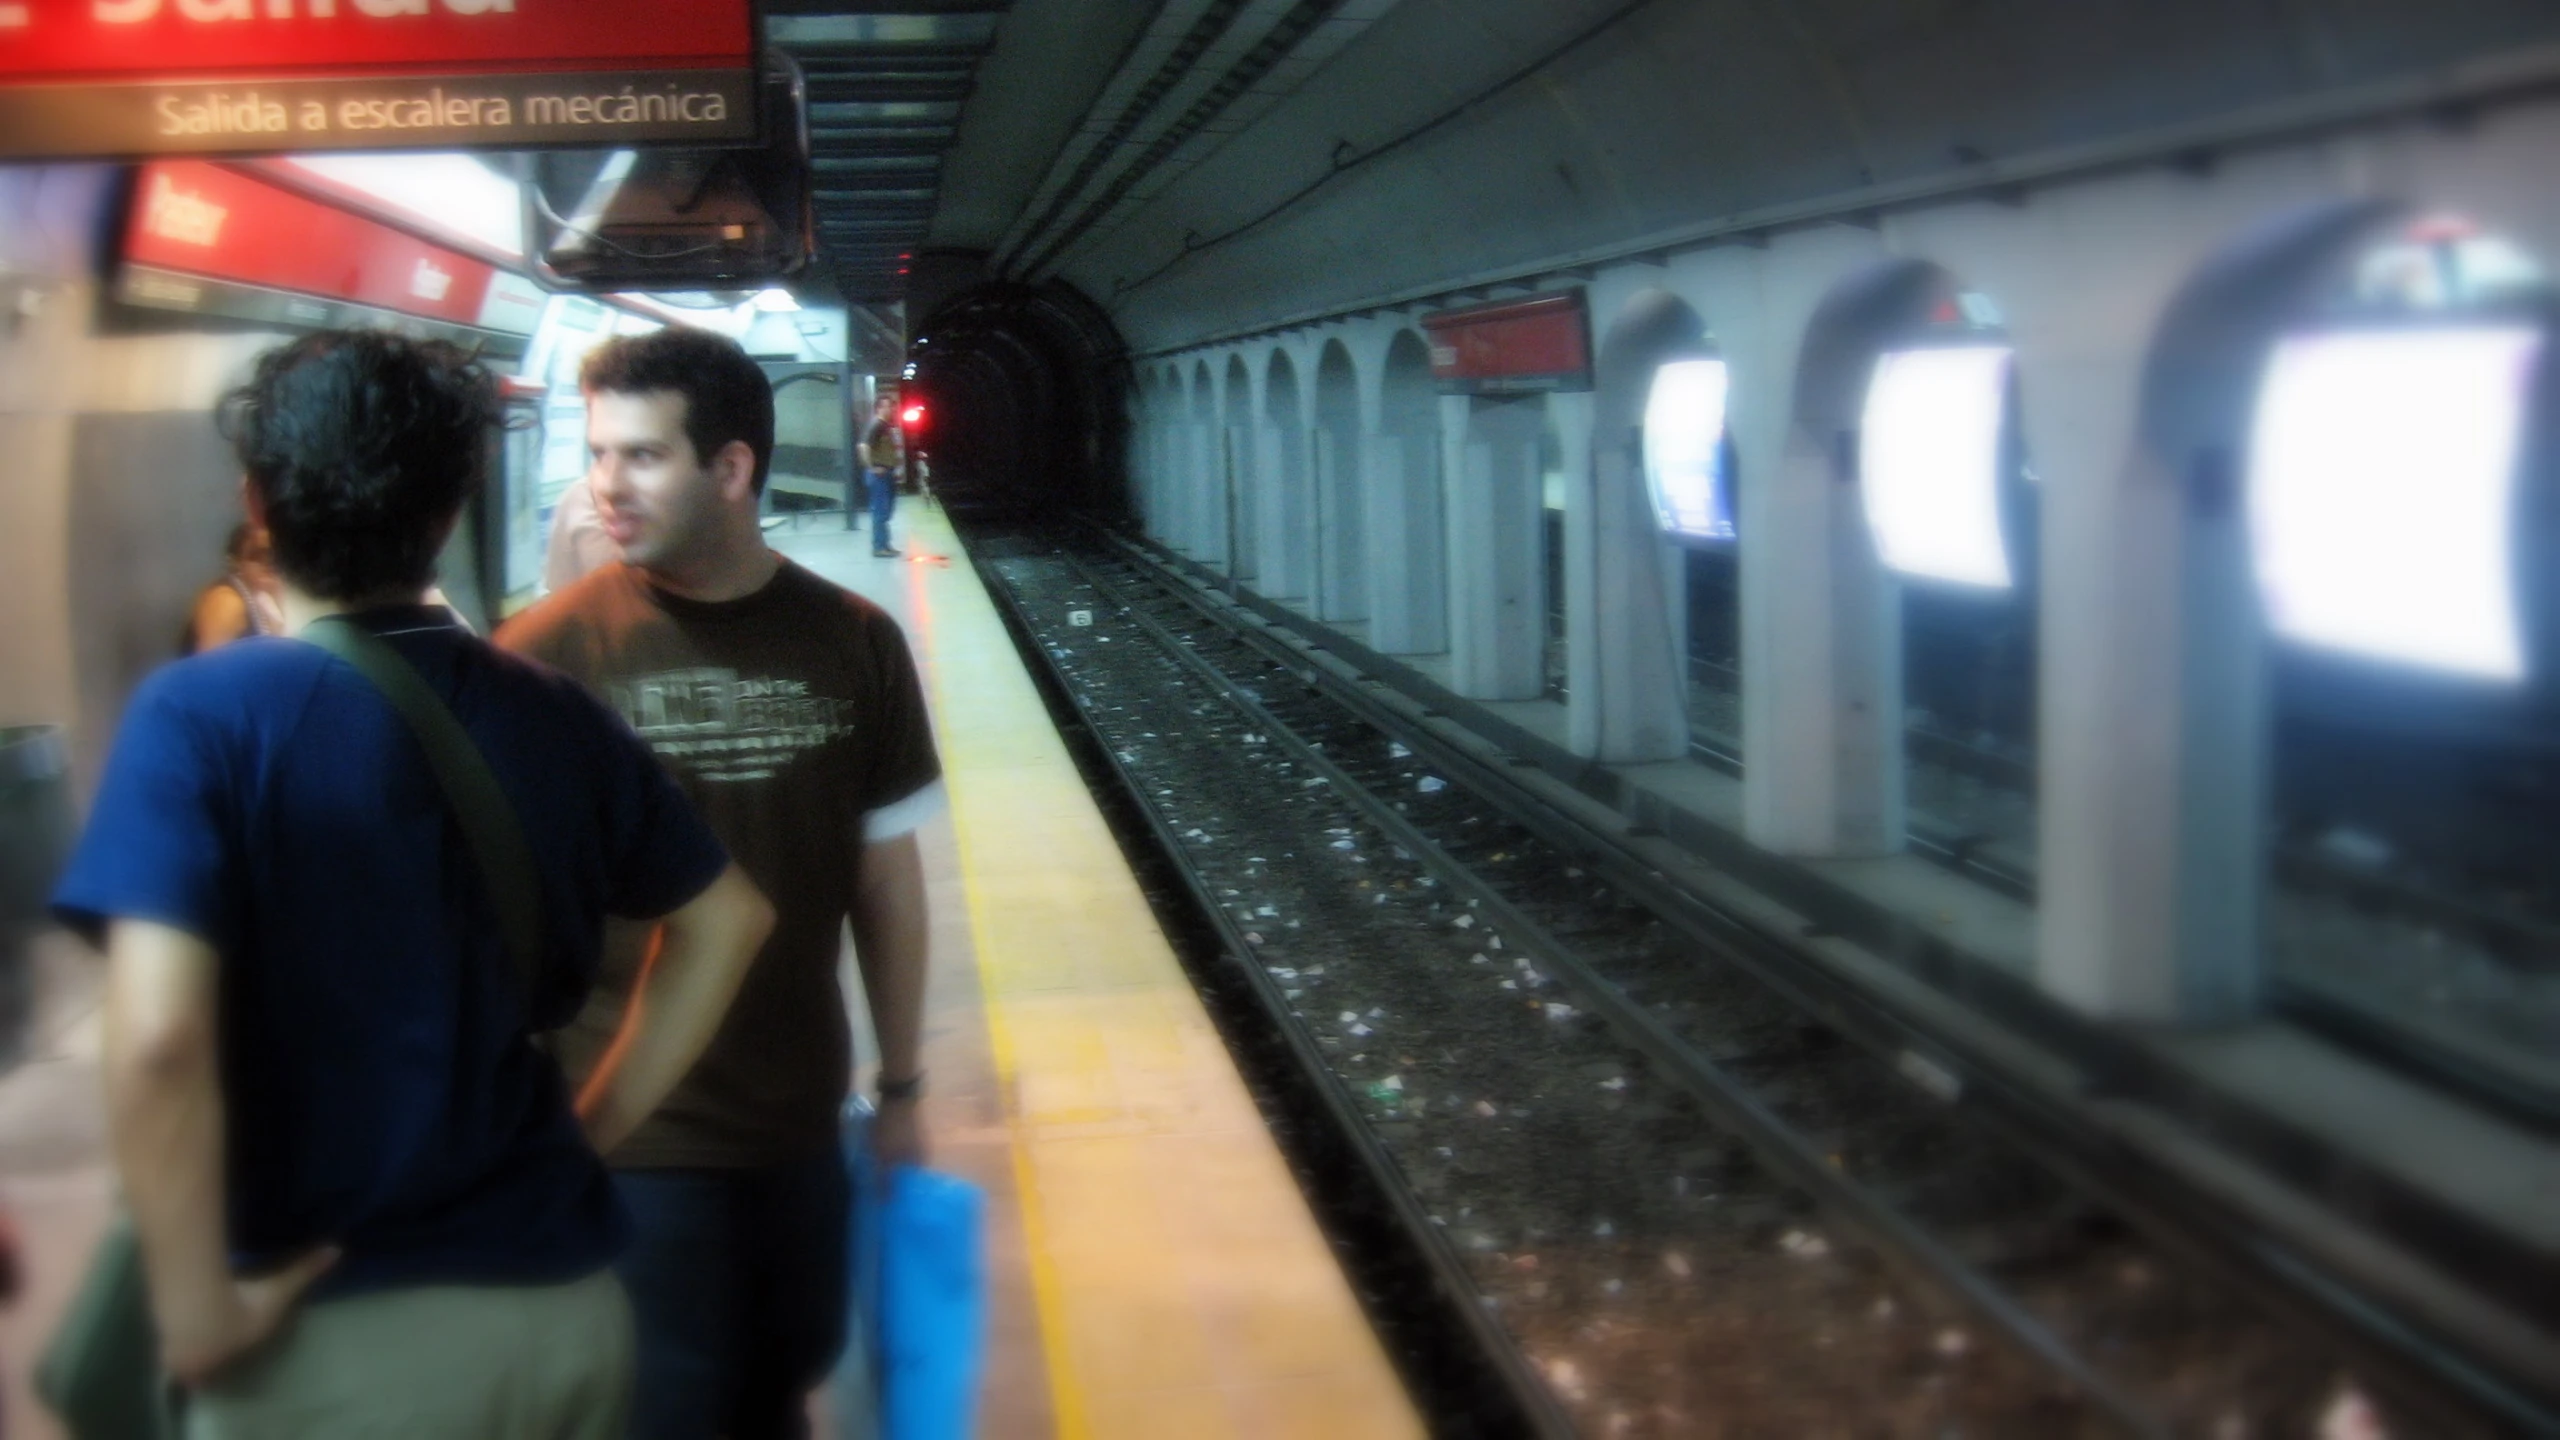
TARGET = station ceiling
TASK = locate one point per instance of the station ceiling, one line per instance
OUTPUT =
(1025, 130)
(1199, 166)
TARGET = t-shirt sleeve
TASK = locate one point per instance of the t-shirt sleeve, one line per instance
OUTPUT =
(661, 852)
(158, 843)
(902, 762)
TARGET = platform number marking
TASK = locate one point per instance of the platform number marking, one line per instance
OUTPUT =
(1081, 619)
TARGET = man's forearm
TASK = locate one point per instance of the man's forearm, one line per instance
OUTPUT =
(698, 958)
(891, 944)
(166, 1118)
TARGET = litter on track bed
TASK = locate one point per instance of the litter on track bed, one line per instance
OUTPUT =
(1660, 1279)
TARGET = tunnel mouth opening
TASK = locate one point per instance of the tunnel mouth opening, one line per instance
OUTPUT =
(1025, 390)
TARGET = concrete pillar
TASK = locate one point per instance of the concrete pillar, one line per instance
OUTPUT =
(1821, 616)
(1408, 581)
(1342, 558)
(1626, 702)
(1168, 464)
(1209, 492)
(1427, 499)
(1284, 541)
(1386, 529)
(1584, 617)
(1169, 447)
(1246, 512)
(1186, 490)
(1149, 480)
(1224, 496)
(2154, 726)
(1822, 689)
(2152, 737)
(1497, 604)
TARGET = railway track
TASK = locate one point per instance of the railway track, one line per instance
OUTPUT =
(2302, 874)
(1823, 1111)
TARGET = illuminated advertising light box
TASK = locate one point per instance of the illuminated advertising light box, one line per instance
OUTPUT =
(2382, 480)
(161, 77)
(1512, 347)
(206, 239)
(1684, 450)
(1929, 463)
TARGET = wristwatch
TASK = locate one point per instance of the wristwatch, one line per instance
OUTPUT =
(892, 1091)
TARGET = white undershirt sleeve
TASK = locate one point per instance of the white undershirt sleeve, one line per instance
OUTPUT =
(900, 817)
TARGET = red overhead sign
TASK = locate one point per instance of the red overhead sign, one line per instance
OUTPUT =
(209, 239)
(109, 77)
(1540, 343)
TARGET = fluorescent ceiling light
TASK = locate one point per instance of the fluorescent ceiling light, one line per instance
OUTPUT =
(2382, 477)
(1929, 463)
(1684, 418)
(452, 193)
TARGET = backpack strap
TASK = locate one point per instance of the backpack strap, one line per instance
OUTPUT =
(489, 821)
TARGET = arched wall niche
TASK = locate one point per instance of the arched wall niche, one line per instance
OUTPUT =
(1201, 482)
(1407, 526)
(1625, 583)
(1341, 548)
(1236, 447)
(1288, 515)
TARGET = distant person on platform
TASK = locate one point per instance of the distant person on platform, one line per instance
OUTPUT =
(791, 712)
(243, 602)
(884, 457)
(365, 1202)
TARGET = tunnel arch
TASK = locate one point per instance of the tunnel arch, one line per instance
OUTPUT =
(1028, 394)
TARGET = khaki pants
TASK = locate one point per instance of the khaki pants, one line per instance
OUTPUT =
(546, 1362)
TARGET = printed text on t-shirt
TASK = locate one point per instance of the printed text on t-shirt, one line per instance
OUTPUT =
(719, 727)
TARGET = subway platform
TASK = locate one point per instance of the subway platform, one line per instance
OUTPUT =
(1153, 1269)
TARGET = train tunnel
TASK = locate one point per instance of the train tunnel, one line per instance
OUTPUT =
(1653, 717)
(1027, 401)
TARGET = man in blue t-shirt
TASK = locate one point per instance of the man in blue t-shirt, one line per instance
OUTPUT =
(324, 1096)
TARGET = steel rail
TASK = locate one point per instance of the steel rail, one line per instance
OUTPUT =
(2528, 1099)
(1779, 1145)
(1537, 1404)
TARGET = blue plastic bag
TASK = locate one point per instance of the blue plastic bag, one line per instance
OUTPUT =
(920, 1300)
(933, 1305)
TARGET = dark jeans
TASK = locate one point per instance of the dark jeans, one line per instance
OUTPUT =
(884, 500)
(738, 1283)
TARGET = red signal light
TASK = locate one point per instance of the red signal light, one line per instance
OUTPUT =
(912, 417)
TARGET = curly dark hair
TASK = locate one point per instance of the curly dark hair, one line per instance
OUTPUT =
(362, 446)
(726, 395)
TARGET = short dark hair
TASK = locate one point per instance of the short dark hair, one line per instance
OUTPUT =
(726, 395)
(362, 447)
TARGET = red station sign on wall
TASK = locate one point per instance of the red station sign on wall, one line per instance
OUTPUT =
(1540, 343)
(145, 77)
(211, 240)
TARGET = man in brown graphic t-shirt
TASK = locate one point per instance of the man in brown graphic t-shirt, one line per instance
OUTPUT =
(790, 712)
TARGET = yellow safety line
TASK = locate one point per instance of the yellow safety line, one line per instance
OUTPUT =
(1066, 1393)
